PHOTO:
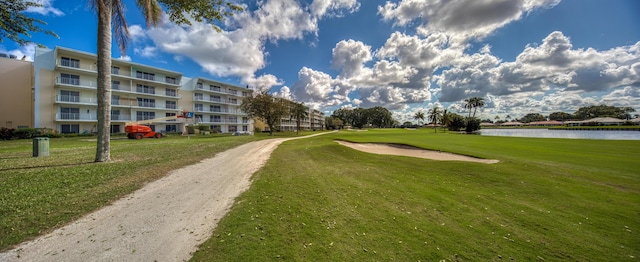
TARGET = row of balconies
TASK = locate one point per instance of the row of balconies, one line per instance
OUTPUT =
(215, 100)
(92, 68)
(76, 100)
(77, 83)
(219, 110)
(222, 91)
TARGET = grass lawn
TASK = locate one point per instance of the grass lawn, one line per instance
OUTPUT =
(40, 194)
(547, 200)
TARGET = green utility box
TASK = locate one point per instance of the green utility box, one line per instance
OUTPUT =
(40, 146)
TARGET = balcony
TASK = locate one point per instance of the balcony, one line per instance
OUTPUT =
(219, 90)
(76, 100)
(77, 117)
(76, 83)
(77, 66)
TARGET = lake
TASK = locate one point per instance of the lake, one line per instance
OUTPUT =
(572, 134)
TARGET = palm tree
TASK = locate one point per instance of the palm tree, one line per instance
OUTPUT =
(435, 115)
(468, 104)
(299, 112)
(419, 116)
(507, 117)
(446, 119)
(473, 103)
(479, 102)
(111, 17)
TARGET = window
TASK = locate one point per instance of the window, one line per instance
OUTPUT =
(145, 89)
(170, 115)
(70, 62)
(143, 115)
(199, 107)
(245, 120)
(244, 93)
(217, 119)
(115, 115)
(69, 113)
(146, 102)
(69, 96)
(233, 128)
(70, 79)
(115, 128)
(145, 75)
(115, 100)
(233, 101)
(199, 85)
(171, 104)
(115, 85)
(233, 119)
(215, 88)
(171, 80)
(216, 109)
(171, 92)
(115, 70)
(199, 96)
(245, 128)
(171, 128)
(233, 92)
(70, 129)
(215, 99)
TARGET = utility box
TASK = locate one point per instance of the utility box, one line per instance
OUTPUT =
(40, 146)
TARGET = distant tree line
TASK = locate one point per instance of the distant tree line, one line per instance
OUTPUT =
(582, 113)
(360, 117)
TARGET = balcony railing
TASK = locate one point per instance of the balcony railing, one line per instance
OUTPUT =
(87, 117)
(77, 65)
(76, 100)
(75, 82)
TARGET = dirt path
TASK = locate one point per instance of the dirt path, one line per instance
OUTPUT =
(165, 220)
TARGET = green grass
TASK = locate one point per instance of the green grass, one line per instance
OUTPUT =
(40, 194)
(548, 199)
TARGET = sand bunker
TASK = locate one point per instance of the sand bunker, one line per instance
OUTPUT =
(399, 150)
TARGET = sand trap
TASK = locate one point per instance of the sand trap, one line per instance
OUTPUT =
(399, 150)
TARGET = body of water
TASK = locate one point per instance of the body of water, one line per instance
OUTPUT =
(573, 134)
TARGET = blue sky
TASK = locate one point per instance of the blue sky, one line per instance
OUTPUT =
(527, 56)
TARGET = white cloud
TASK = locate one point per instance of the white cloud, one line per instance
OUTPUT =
(147, 51)
(136, 33)
(320, 8)
(461, 20)
(350, 56)
(27, 52)
(125, 58)
(46, 8)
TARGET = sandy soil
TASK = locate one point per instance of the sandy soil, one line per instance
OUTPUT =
(387, 149)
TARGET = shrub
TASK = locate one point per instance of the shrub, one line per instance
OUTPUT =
(6, 133)
(26, 133)
(473, 124)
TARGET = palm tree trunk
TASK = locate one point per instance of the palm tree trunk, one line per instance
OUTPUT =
(104, 80)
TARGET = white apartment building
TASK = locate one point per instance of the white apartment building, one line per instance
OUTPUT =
(65, 95)
(217, 105)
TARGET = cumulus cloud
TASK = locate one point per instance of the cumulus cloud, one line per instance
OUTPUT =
(462, 20)
(321, 8)
(350, 56)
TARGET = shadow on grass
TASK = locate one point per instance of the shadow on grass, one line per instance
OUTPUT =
(47, 166)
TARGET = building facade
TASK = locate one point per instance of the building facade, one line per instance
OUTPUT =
(16, 110)
(65, 95)
(217, 105)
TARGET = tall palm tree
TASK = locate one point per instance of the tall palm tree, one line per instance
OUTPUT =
(446, 119)
(507, 117)
(111, 17)
(298, 112)
(419, 116)
(435, 115)
(477, 103)
(468, 104)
